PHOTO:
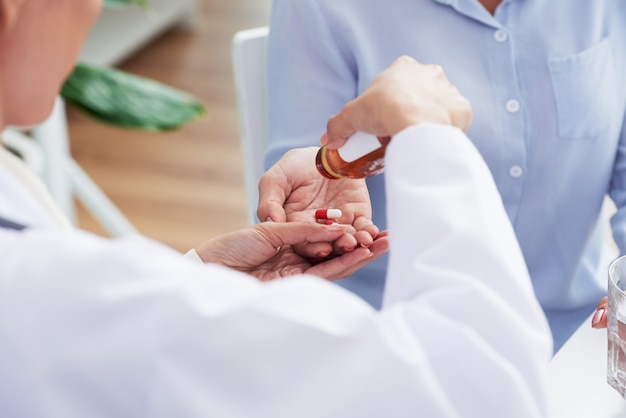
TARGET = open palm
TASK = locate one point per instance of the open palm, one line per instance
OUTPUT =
(292, 190)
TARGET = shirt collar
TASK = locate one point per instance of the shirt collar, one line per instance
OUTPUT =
(474, 10)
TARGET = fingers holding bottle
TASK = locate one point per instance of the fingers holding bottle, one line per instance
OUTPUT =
(406, 93)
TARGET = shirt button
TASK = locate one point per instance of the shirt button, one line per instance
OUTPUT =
(512, 105)
(516, 171)
(500, 35)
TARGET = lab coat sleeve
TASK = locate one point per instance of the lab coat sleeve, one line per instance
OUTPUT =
(89, 331)
(464, 249)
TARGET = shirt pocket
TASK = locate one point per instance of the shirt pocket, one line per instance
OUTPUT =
(584, 90)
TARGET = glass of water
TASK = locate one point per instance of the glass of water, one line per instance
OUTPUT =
(616, 360)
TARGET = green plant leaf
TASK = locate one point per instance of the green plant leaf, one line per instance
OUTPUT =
(145, 4)
(118, 98)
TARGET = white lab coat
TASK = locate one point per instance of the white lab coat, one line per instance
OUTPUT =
(91, 327)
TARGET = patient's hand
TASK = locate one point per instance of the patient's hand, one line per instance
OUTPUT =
(599, 318)
(266, 250)
(292, 190)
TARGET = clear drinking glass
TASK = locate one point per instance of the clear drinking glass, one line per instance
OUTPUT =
(616, 359)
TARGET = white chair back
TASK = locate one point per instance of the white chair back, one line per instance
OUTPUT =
(249, 50)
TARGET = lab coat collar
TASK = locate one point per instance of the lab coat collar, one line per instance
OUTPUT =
(9, 224)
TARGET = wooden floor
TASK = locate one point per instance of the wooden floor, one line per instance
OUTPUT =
(183, 187)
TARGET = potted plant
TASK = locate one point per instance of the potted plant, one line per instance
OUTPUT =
(122, 99)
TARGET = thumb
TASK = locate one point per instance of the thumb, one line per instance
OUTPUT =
(272, 198)
(291, 233)
(338, 129)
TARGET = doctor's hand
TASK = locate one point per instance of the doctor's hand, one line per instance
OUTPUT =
(406, 93)
(599, 319)
(292, 190)
(266, 250)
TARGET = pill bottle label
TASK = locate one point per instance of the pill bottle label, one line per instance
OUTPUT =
(357, 146)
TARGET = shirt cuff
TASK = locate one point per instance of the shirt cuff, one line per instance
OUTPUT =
(193, 256)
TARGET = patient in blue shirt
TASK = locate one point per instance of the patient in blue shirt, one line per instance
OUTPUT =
(545, 82)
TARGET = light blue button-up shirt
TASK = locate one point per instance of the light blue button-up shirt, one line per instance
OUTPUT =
(547, 81)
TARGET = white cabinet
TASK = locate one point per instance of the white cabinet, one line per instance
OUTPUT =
(120, 32)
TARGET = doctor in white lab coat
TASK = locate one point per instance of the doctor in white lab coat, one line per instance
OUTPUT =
(91, 327)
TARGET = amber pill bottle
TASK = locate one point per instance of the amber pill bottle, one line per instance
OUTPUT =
(362, 155)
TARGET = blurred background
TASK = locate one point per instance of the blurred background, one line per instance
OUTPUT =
(186, 186)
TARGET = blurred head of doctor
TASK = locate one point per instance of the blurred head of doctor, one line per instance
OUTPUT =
(40, 41)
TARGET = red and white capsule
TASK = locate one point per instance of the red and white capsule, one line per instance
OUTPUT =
(328, 214)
